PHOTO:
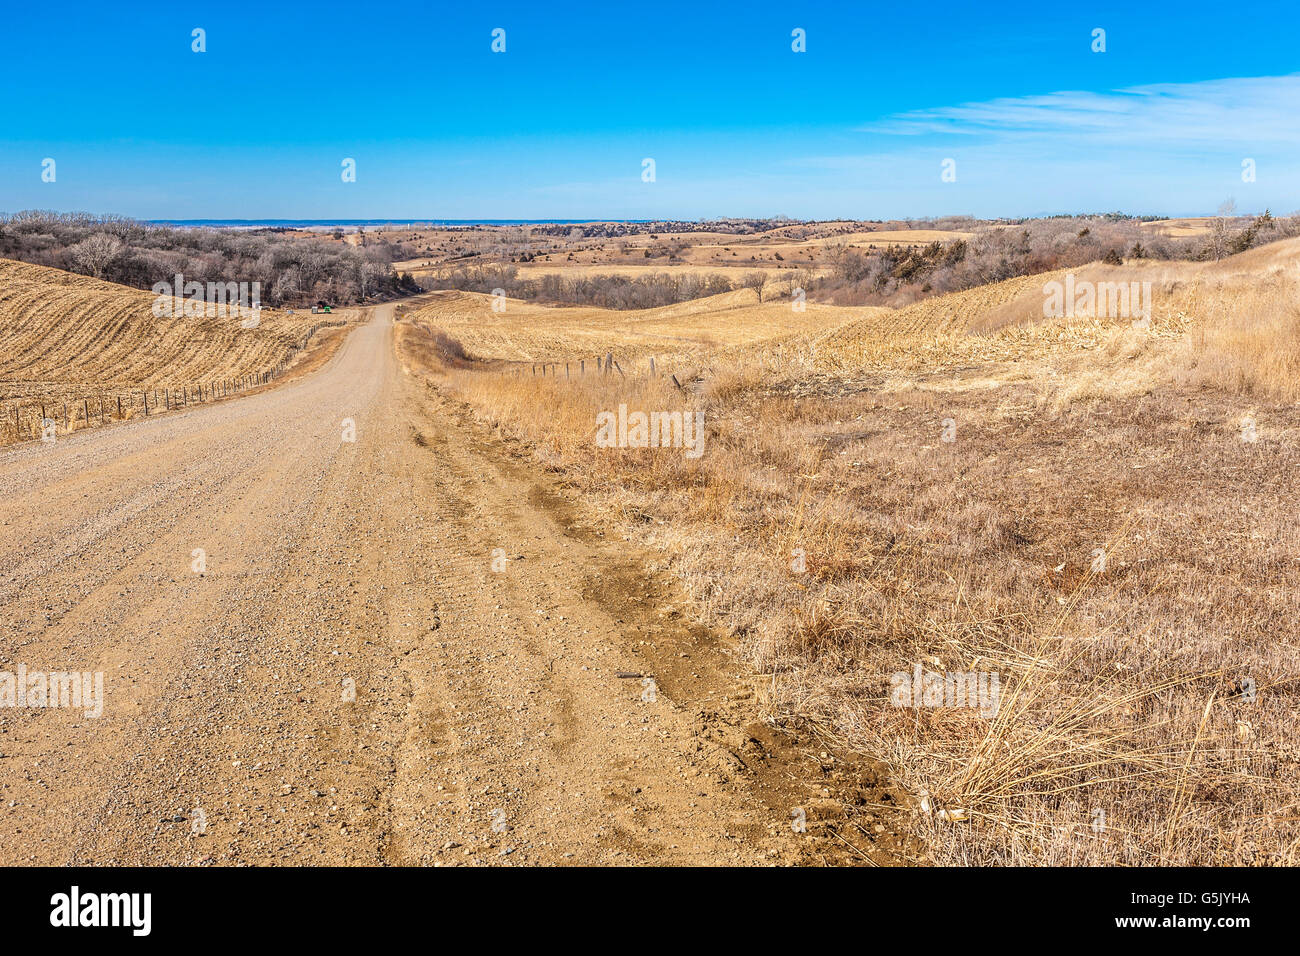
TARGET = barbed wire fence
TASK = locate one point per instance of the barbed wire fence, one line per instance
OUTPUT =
(26, 420)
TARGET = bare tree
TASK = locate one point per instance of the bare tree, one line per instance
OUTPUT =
(370, 275)
(96, 253)
(1219, 235)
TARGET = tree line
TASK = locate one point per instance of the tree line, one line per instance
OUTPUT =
(292, 270)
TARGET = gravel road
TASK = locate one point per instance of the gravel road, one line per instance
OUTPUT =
(308, 656)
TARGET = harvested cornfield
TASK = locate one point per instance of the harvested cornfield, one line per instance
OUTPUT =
(525, 332)
(70, 340)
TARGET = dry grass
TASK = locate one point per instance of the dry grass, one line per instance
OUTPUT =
(1193, 226)
(526, 332)
(1251, 343)
(67, 338)
(1156, 692)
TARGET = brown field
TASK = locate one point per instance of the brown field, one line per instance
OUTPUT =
(775, 251)
(1095, 510)
(71, 339)
(530, 270)
(1194, 226)
(526, 332)
(1108, 529)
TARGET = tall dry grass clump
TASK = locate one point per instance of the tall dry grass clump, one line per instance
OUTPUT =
(1249, 340)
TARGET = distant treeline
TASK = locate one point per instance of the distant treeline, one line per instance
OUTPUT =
(609, 291)
(896, 275)
(291, 270)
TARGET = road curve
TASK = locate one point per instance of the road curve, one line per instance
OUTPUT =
(345, 678)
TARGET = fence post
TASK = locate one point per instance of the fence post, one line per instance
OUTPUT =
(65, 416)
(609, 359)
(652, 365)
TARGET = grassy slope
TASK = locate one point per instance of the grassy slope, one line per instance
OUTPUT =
(1124, 678)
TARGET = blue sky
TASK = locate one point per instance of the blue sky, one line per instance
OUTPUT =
(738, 124)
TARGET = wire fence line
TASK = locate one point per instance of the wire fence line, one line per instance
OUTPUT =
(573, 367)
(32, 419)
(20, 420)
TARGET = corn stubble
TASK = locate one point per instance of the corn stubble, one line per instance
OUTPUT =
(69, 339)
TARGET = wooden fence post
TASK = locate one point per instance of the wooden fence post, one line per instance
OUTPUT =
(609, 359)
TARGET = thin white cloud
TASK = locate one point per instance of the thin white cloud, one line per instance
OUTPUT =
(1249, 110)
